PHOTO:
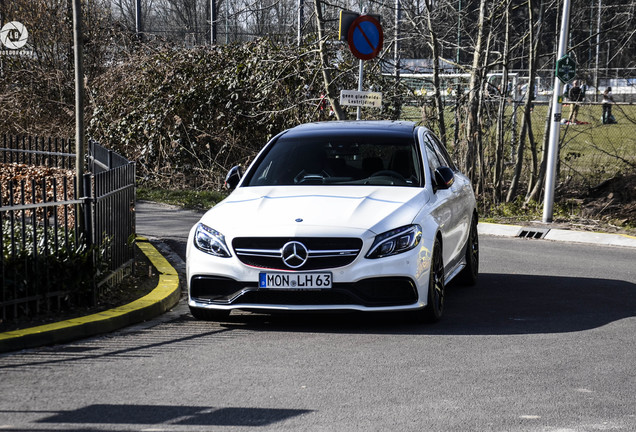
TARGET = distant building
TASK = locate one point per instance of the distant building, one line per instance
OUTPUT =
(418, 66)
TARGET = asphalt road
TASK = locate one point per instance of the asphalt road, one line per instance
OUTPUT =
(545, 342)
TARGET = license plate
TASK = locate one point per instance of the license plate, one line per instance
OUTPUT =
(295, 280)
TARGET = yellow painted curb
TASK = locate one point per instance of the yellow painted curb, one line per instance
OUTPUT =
(158, 261)
(163, 297)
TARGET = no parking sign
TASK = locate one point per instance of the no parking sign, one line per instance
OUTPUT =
(365, 37)
(363, 33)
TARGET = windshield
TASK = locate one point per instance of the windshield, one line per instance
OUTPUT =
(339, 160)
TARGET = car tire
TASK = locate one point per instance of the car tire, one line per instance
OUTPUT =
(208, 315)
(470, 273)
(434, 308)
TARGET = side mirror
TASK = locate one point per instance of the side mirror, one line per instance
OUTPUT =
(444, 178)
(233, 177)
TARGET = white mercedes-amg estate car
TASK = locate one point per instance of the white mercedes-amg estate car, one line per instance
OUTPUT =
(337, 216)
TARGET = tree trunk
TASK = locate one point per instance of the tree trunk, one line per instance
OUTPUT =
(331, 93)
(534, 190)
(498, 173)
(516, 177)
(533, 48)
(439, 103)
(534, 193)
(534, 159)
(472, 126)
(483, 115)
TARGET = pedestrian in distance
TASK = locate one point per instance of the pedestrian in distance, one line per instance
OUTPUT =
(576, 96)
(583, 90)
(608, 100)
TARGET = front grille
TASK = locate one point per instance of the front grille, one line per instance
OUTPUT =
(322, 253)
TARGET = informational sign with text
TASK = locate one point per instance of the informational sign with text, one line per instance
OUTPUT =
(361, 98)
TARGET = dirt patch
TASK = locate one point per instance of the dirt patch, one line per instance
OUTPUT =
(26, 184)
(614, 198)
(609, 207)
(19, 174)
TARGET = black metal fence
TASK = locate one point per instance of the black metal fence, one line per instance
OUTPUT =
(59, 249)
(112, 213)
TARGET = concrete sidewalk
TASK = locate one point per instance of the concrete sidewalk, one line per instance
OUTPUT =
(547, 233)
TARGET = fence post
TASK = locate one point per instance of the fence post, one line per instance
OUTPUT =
(88, 209)
(88, 228)
(91, 156)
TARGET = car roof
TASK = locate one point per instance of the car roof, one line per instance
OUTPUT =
(357, 127)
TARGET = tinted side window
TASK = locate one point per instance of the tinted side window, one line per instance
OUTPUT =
(442, 153)
(434, 161)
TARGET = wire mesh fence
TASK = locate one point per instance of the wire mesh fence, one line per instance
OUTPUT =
(593, 151)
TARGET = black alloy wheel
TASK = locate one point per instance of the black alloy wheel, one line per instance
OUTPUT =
(436, 289)
(470, 273)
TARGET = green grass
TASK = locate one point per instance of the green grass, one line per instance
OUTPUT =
(596, 150)
(590, 153)
(518, 211)
(190, 199)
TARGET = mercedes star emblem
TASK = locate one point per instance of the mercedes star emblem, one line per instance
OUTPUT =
(294, 254)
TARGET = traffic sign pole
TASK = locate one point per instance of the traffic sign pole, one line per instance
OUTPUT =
(360, 80)
(555, 129)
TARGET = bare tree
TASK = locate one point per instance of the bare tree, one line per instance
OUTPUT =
(503, 96)
(324, 63)
(435, 54)
(534, 44)
(473, 130)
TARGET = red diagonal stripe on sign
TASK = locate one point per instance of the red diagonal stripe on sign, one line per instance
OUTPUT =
(365, 36)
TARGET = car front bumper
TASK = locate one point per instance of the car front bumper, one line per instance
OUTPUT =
(396, 283)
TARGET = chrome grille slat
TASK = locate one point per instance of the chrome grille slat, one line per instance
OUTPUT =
(259, 252)
(333, 253)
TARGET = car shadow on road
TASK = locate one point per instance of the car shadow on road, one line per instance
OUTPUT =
(149, 415)
(500, 304)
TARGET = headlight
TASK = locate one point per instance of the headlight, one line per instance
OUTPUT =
(396, 241)
(210, 241)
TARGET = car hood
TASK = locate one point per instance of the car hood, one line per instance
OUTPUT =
(312, 210)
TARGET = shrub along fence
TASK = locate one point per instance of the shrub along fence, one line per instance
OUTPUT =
(52, 260)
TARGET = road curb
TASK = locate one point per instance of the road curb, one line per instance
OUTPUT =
(556, 234)
(162, 298)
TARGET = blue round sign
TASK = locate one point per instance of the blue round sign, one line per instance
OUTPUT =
(365, 37)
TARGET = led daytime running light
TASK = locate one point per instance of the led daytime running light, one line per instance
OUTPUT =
(396, 241)
(210, 241)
